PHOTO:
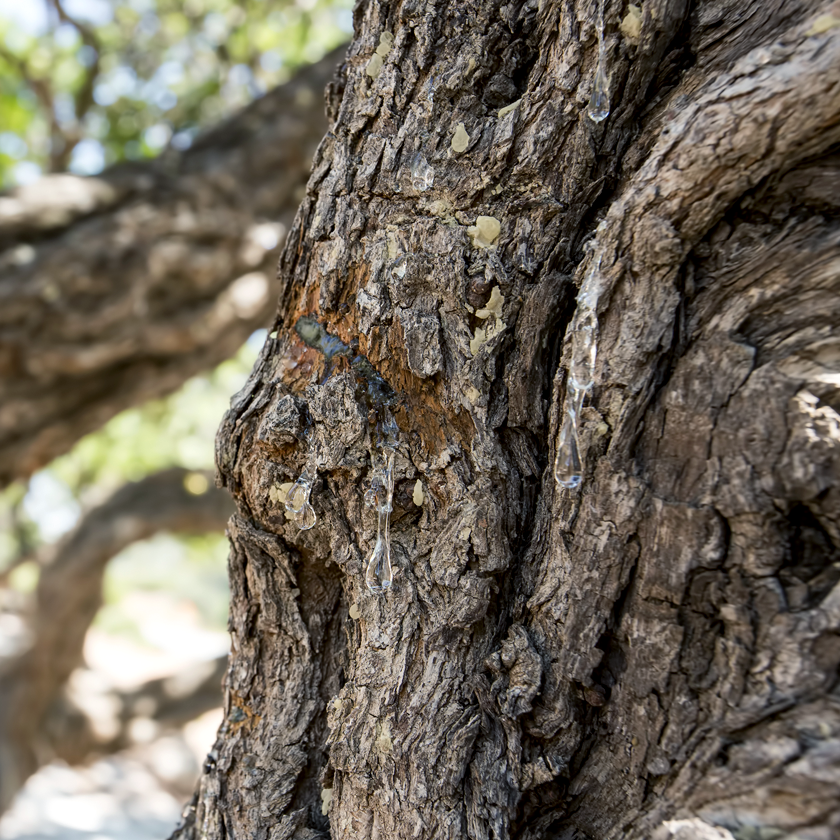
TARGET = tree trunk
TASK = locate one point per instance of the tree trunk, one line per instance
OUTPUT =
(653, 653)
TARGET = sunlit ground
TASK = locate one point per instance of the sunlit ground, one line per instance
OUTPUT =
(134, 795)
(116, 797)
(139, 793)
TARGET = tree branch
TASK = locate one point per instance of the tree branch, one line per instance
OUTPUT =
(68, 597)
(84, 96)
(116, 289)
(59, 141)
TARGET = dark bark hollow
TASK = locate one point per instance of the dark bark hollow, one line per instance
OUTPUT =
(655, 653)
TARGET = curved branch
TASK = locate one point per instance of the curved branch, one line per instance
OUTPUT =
(775, 108)
(116, 289)
(84, 96)
(70, 593)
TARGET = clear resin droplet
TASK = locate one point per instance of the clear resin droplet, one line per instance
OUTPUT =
(399, 267)
(584, 350)
(297, 496)
(305, 518)
(568, 472)
(378, 574)
(599, 103)
(592, 286)
(422, 175)
(297, 500)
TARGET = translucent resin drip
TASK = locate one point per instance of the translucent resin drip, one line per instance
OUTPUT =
(568, 470)
(422, 175)
(297, 499)
(379, 575)
(399, 267)
(599, 102)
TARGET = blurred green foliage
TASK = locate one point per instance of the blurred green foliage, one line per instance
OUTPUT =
(175, 570)
(86, 83)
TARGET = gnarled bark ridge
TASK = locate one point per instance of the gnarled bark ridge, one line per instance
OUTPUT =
(655, 653)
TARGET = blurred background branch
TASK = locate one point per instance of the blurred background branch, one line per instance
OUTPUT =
(153, 154)
(67, 598)
(117, 289)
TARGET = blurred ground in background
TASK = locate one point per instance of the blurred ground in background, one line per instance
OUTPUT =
(116, 797)
(133, 795)
(85, 84)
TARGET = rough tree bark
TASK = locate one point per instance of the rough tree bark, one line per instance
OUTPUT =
(116, 289)
(38, 722)
(654, 654)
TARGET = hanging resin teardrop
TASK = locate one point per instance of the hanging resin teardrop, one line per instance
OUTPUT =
(379, 575)
(599, 103)
(568, 471)
(306, 518)
(297, 500)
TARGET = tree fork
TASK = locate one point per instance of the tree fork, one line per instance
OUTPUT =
(654, 653)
